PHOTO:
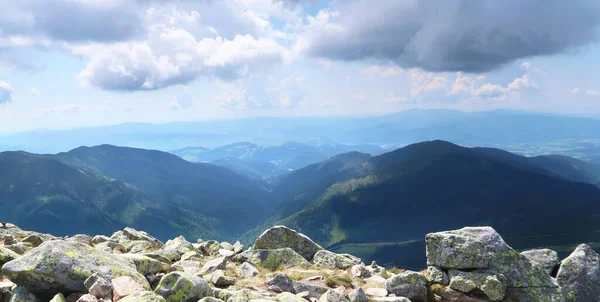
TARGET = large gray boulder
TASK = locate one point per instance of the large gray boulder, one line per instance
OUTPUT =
(409, 284)
(59, 266)
(279, 237)
(547, 258)
(136, 235)
(247, 270)
(175, 248)
(272, 259)
(21, 294)
(145, 296)
(579, 275)
(482, 248)
(179, 286)
(145, 265)
(493, 286)
(333, 296)
(324, 258)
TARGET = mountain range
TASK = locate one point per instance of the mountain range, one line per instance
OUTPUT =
(377, 207)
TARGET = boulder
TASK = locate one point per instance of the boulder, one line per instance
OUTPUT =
(376, 292)
(99, 287)
(220, 280)
(7, 255)
(144, 296)
(210, 299)
(312, 291)
(324, 258)
(438, 276)
(289, 297)
(138, 246)
(145, 265)
(99, 239)
(88, 298)
(21, 294)
(34, 239)
(210, 248)
(244, 295)
(391, 299)
(59, 266)
(6, 291)
(111, 247)
(225, 253)
(579, 275)
(238, 247)
(272, 259)
(227, 246)
(179, 286)
(175, 248)
(136, 235)
(283, 282)
(81, 238)
(19, 247)
(59, 298)
(358, 295)
(332, 296)
(493, 286)
(282, 237)
(193, 255)
(125, 286)
(547, 258)
(482, 248)
(409, 284)
(360, 271)
(247, 270)
(191, 267)
(213, 265)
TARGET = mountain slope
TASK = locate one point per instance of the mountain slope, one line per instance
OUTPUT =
(431, 186)
(213, 191)
(45, 194)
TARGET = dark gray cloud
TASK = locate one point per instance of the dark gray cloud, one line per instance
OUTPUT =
(458, 35)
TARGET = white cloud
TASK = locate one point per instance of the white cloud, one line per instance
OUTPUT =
(592, 92)
(392, 98)
(474, 87)
(380, 71)
(575, 91)
(6, 92)
(183, 101)
(68, 108)
(422, 82)
(360, 96)
(34, 91)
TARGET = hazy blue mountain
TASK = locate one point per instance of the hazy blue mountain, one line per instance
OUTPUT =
(387, 203)
(260, 162)
(494, 129)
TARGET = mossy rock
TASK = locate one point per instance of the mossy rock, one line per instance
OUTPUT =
(179, 286)
(579, 275)
(493, 286)
(7, 255)
(279, 237)
(145, 265)
(59, 266)
(59, 298)
(144, 296)
(272, 259)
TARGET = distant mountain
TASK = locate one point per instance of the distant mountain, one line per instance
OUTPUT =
(234, 200)
(42, 193)
(260, 162)
(385, 205)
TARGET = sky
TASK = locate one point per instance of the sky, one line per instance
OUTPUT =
(73, 63)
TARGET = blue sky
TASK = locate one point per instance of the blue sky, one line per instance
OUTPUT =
(73, 63)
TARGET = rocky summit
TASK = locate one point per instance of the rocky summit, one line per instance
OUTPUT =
(470, 264)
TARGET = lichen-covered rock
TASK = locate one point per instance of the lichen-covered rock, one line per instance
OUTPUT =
(88, 298)
(547, 258)
(332, 296)
(179, 286)
(238, 247)
(409, 284)
(59, 266)
(136, 235)
(313, 291)
(213, 265)
(59, 298)
(247, 270)
(99, 286)
(285, 257)
(220, 280)
(144, 296)
(145, 265)
(110, 247)
(244, 295)
(391, 299)
(279, 237)
(289, 297)
(175, 248)
(483, 248)
(438, 276)
(283, 282)
(579, 275)
(358, 295)
(34, 239)
(535, 294)
(493, 286)
(81, 238)
(99, 239)
(7, 255)
(324, 258)
(210, 248)
(19, 247)
(210, 299)
(376, 292)
(21, 294)
(360, 271)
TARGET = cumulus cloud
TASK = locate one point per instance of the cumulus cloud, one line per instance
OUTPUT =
(381, 71)
(440, 35)
(592, 92)
(6, 92)
(575, 91)
(476, 88)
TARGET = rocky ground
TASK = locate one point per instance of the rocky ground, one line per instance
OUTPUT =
(470, 264)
